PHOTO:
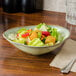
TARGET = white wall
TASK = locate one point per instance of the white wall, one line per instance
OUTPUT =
(55, 5)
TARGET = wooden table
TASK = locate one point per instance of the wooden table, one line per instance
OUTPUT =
(14, 62)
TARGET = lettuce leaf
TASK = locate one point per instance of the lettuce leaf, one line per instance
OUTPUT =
(57, 35)
(39, 34)
(21, 30)
(54, 33)
(36, 42)
(40, 25)
(60, 37)
(20, 40)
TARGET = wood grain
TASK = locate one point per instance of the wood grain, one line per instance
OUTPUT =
(14, 62)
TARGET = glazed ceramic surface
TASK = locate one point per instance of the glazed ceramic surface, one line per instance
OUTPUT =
(32, 49)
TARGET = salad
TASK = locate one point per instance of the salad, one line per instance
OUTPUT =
(41, 35)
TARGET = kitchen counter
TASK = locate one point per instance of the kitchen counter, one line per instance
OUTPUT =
(14, 62)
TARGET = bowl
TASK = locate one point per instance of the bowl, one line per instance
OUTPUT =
(36, 50)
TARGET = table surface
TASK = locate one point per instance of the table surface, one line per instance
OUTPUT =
(14, 62)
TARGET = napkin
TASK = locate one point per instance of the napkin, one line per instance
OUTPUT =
(66, 54)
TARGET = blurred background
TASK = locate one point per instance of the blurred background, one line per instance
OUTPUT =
(50, 5)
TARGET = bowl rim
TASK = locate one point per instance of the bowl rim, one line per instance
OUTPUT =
(35, 46)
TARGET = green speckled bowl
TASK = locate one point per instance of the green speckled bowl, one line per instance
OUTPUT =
(36, 50)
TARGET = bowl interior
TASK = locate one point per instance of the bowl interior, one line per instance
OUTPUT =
(64, 31)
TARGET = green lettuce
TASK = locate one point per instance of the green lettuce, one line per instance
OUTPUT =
(39, 34)
(20, 40)
(21, 30)
(40, 25)
(36, 42)
(60, 37)
(54, 33)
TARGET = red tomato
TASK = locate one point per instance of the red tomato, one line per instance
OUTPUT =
(25, 35)
(45, 33)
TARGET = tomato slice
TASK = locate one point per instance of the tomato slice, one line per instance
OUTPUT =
(25, 35)
(45, 33)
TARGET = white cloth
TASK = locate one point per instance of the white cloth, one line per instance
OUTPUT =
(67, 53)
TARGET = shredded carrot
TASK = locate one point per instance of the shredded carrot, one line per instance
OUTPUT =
(42, 37)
